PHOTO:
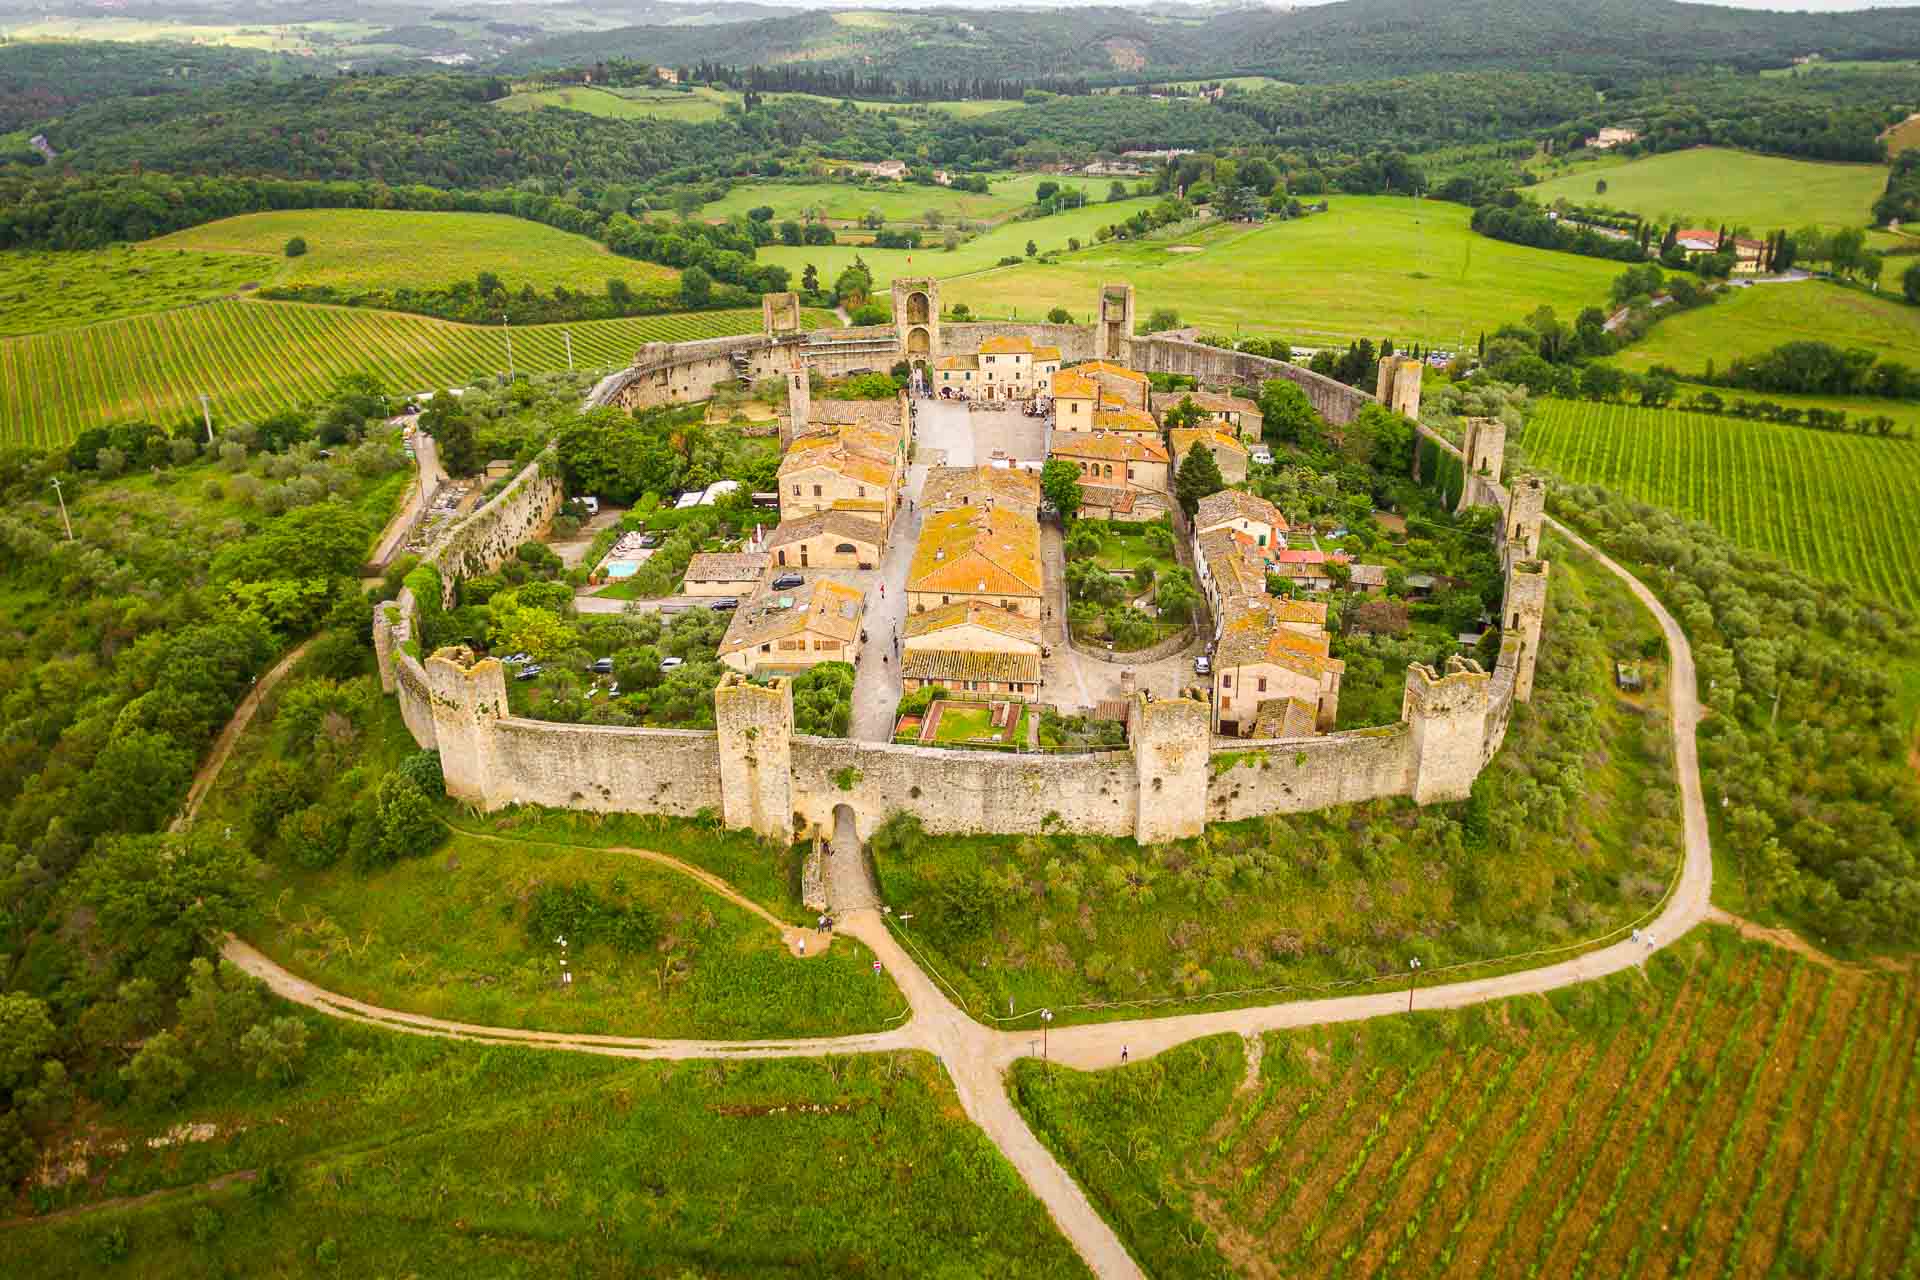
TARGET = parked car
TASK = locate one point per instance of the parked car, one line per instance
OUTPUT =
(592, 505)
(1262, 456)
(649, 540)
(670, 664)
(1203, 665)
(602, 666)
(788, 581)
(528, 672)
(724, 603)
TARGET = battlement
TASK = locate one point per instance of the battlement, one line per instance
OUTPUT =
(467, 694)
(1526, 514)
(1172, 741)
(755, 727)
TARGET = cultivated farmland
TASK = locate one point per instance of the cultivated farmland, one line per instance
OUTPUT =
(1750, 321)
(1736, 1111)
(1706, 186)
(255, 357)
(896, 201)
(1833, 504)
(402, 249)
(46, 289)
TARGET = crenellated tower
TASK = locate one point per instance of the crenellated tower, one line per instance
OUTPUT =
(1172, 741)
(1447, 717)
(468, 695)
(1525, 613)
(755, 728)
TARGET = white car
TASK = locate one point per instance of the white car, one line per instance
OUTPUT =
(669, 664)
(1262, 456)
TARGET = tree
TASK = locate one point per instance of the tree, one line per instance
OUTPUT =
(1286, 415)
(810, 279)
(26, 1036)
(1199, 476)
(408, 825)
(160, 1072)
(1032, 248)
(1116, 191)
(1046, 191)
(1060, 484)
(274, 1049)
(1059, 315)
(1600, 186)
(1910, 283)
(696, 287)
(1176, 594)
(761, 213)
(162, 898)
(453, 435)
(296, 247)
(1162, 319)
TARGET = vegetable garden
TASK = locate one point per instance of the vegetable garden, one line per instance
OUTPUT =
(252, 358)
(1834, 504)
(1737, 1111)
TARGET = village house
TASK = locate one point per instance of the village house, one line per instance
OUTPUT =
(946, 488)
(1228, 566)
(851, 469)
(972, 648)
(1002, 369)
(1105, 502)
(1244, 513)
(1273, 666)
(1306, 569)
(892, 170)
(971, 553)
(826, 540)
(1610, 137)
(1239, 417)
(1116, 459)
(1120, 387)
(723, 573)
(1228, 452)
(785, 631)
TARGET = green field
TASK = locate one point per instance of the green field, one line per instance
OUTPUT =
(1747, 322)
(254, 357)
(1838, 505)
(1728, 1110)
(1708, 186)
(393, 249)
(47, 289)
(1372, 267)
(896, 201)
(625, 104)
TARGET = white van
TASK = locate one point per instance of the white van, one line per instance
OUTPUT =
(592, 505)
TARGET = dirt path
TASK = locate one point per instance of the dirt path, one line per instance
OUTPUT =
(223, 745)
(977, 1058)
(1778, 937)
(133, 1202)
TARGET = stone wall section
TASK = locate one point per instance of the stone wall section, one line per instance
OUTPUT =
(605, 769)
(485, 540)
(1294, 775)
(1332, 399)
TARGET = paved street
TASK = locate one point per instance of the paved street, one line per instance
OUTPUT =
(876, 683)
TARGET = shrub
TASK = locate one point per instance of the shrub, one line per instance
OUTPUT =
(408, 826)
(422, 768)
(579, 914)
(315, 837)
(296, 247)
(159, 1073)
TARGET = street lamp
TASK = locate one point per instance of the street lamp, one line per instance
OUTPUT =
(1046, 1019)
(1413, 967)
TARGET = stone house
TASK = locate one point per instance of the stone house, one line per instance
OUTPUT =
(1236, 415)
(1116, 459)
(1002, 369)
(853, 469)
(826, 540)
(1228, 453)
(972, 553)
(972, 648)
(1075, 399)
(1119, 386)
(946, 488)
(892, 170)
(794, 630)
(1268, 653)
(724, 573)
(1306, 569)
(1104, 502)
(1242, 512)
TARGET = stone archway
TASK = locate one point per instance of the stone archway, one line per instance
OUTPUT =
(919, 310)
(918, 342)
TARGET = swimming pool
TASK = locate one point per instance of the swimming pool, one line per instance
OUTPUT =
(621, 568)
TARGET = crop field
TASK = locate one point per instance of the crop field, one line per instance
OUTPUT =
(393, 249)
(252, 358)
(1734, 1110)
(661, 104)
(1706, 186)
(44, 289)
(896, 201)
(1747, 322)
(1837, 504)
(1371, 267)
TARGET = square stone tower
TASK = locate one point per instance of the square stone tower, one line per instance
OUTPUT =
(1482, 458)
(1523, 613)
(755, 731)
(1398, 385)
(1447, 716)
(1526, 513)
(780, 314)
(1172, 742)
(1113, 328)
(799, 389)
(916, 316)
(468, 695)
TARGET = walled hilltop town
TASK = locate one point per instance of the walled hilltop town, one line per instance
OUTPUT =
(911, 542)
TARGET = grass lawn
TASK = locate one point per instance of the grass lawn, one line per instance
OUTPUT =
(696, 107)
(1706, 186)
(898, 202)
(1245, 913)
(1009, 239)
(1749, 321)
(1727, 1109)
(1834, 504)
(959, 723)
(1120, 554)
(1374, 266)
(399, 1155)
(392, 249)
(46, 289)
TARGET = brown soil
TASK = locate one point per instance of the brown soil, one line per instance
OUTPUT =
(1829, 1153)
(1778, 937)
(1883, 1122)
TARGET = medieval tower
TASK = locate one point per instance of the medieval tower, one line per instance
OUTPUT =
(916, 316)
(1113, 330)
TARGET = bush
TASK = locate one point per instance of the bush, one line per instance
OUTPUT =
(315, 837)
(580, 915)
(422, 768)
(296, 247)
(408, 827)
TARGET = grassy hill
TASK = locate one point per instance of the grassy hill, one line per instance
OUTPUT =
(51, 290)
(896, 201)
(1746, 322)
(1708, 186)
(254, 357)
(1372, 267)
(1733, 1110)
(394, 249)
(625, 104)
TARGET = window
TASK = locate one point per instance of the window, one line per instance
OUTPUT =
(946, 599)
(1263, 684)
(1226, 682)
(816, 491)
(845, 549)
(796, 491)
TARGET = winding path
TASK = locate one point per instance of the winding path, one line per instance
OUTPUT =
(977, 1058)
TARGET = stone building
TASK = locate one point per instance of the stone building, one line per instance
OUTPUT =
(826, 540)
(1116, 459)
(1235, 415)
(724, 573)
(1228, 452)
(972, 648)
(1244, 513)
(946, 488)
(850, 469)
(1270, 653)
(1098, 396)
(975, 554)
(784, 631)
(1004, 368)
(1135, 506)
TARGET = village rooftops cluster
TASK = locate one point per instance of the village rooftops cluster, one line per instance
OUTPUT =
(971, 553)
(817, 621)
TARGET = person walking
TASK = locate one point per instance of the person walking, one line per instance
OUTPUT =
(1123, 1055)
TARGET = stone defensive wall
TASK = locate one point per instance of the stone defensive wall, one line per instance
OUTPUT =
(757, 774)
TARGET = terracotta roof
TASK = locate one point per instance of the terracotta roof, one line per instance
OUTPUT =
(1252, 636)
(821, 606)
(840, 524)
(854, 506)
(961, 664)
(1285, 718)
(972, 613)
(1212, 401)
(1307, 556)
(1184, 438)
(1233, 504)
(1046, 353)
(948, 487)
(974, 551)
(1108, 367)
(726, 566)
(855, 464)
(957, 362)
(1007, 347)
(1234, 571)
(1108, 446)
(1072, 385)
(1369, 575)
(1119, 500)
(1123, 420)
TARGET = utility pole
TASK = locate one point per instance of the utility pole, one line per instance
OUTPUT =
(206, 416)
(509, 330)
(63, 508)
(568, 335)
(1414, 969)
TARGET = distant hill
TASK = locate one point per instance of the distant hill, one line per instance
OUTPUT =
(1351, 39)
(43, 79)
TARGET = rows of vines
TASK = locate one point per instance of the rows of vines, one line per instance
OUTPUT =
(250, 358)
